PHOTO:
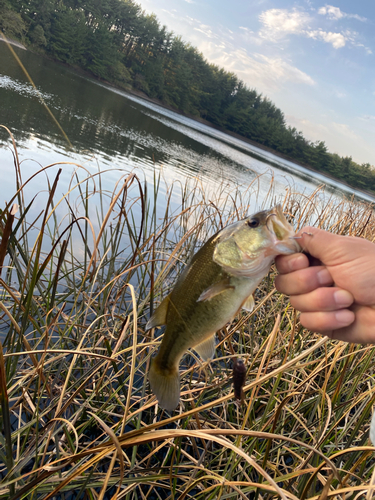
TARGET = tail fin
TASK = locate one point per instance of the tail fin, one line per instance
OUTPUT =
(165, 384)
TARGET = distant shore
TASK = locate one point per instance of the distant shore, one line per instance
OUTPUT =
(142, 95)
(158, 102)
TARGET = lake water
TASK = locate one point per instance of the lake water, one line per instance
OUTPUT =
(118, 132)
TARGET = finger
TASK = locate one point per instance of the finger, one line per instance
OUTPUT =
(362, 330)
(327, 322)
(316, 242)
(322, 299)
(303, 281)
(289, 263)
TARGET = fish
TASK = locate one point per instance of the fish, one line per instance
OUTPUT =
(218, 281)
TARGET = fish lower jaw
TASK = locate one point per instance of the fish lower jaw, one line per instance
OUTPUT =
(286, 246)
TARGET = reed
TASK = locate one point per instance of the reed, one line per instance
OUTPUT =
(82, 273)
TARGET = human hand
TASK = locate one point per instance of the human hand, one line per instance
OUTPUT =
(336, 298)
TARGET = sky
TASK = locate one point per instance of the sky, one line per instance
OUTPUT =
(315, 61)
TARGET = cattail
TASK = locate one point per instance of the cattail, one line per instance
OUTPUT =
(239, 376)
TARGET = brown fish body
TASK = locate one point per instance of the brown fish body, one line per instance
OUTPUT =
(219, 280)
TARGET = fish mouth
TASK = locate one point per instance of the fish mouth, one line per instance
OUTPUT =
(282, 230)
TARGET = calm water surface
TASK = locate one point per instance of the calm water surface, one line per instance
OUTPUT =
(111, 130)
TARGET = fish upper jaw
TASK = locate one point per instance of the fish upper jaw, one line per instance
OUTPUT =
(282, 232)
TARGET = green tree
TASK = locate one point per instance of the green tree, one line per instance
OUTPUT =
(99, 54)
(37, 37)
(68, 41)
(11, 22)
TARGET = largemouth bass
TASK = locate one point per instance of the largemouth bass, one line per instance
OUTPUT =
(219, 280)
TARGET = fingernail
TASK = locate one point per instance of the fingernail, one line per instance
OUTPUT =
(344, 317)
(343, 298)
(324, 277)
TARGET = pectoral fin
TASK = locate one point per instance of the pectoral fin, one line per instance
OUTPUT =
(249, 304)
(160, 315)
(206, 349)
(214, 290)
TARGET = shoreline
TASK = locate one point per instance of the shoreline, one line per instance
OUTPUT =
(158, 102)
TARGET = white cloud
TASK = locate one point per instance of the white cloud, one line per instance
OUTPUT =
(359, 18)
(206, 30)
(191, 20)
(279, 23)
(257, 70)
(336, 13)
(337, 40)
(249, 37)
(367, 49)
(331, 12)
(222, 47)
(283, 71)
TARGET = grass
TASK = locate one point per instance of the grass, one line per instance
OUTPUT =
(81, 275)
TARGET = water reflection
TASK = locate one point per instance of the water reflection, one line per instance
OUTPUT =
(110, 129)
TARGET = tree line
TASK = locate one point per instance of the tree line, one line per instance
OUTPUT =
(115, 40)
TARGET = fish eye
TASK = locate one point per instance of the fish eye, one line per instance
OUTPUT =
(253, 223)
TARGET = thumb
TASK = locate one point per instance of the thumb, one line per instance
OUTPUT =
(362, 330)
(319, 243)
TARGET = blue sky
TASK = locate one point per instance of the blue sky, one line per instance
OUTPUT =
(314, 60)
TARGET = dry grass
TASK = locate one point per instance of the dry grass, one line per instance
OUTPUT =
(78, 418)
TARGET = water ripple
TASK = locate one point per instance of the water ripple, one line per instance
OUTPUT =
(23, 89)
